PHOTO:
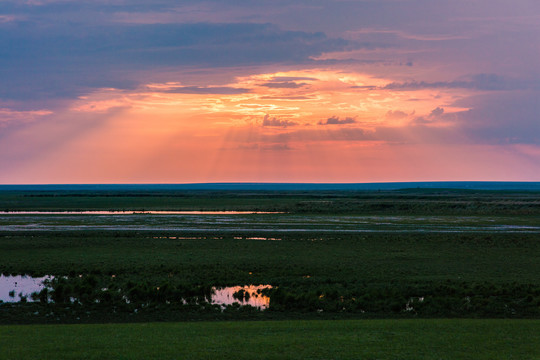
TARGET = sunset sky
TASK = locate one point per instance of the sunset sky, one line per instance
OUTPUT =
(163, 91)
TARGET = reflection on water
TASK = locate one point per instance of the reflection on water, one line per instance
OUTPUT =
(244, 295)
(14, 288)
(256, 238)
(214, 238)
(136, 212)
(188, 237)
(248, 223)
(21, 287)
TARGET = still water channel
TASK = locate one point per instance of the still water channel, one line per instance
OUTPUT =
(249, 221)
(135, 212)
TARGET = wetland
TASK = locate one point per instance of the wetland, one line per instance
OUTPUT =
(203, 255)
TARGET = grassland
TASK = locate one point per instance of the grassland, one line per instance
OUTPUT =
(485, 274)
(402, 202)
(402, 256)
(367, 339)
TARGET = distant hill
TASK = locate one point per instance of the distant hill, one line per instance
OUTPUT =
(468, 185)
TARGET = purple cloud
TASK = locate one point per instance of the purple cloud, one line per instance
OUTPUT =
(273, 121)
(334, 120)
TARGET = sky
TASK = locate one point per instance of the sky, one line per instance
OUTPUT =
(163, 91)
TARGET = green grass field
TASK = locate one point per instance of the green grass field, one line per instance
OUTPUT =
(350, 339)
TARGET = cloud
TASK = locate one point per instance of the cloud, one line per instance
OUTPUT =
(277, 147)
(396, 114)
(502, 118)
(403, 134)
(293, 78)
(493, 118)
(222, 90)
(434, 115)
(264, 147)
(290, 98)
(438, 111)
(284, 85)
(334, 120)
(365, 87)
(287, 82)
(7, 18)
(10, 117)
(64, 58)
(273, 121)
(490, 82)
(251, 146)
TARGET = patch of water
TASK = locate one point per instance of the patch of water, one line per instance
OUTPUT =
(269, 229)
(136, 212)
(214, 238)
(188, 237)
(12, 288)
(244, 295)
(257, 238)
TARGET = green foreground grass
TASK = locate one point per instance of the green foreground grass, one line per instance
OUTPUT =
(351, 339)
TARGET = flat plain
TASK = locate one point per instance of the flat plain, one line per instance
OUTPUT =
(331, 260)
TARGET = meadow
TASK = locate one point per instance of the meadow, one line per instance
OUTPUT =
(419, 201)
(332, 261)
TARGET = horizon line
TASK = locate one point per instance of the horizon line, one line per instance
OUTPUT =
(273, 182)
(282, 186)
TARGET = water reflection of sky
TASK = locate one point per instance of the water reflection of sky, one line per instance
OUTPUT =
(26, 285)
(20, 284)
(239, 221)
(224, 296)
(135, 212)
